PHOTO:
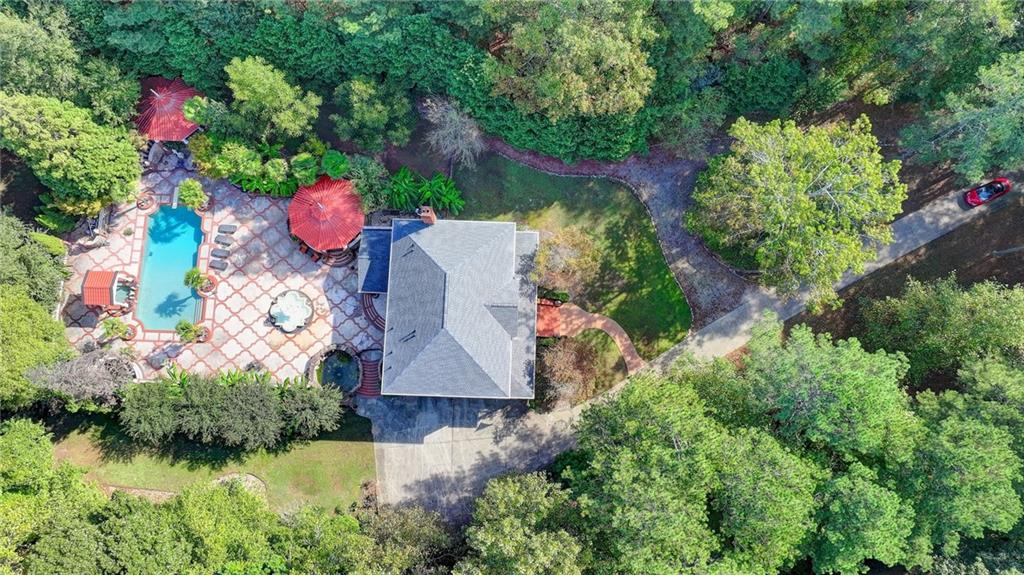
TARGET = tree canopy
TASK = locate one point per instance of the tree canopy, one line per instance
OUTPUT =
(800, 202)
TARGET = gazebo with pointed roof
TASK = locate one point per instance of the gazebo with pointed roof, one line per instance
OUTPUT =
(160, 116)
(327, 216)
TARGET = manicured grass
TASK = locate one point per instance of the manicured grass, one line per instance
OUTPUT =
(635, 286)
(611, 368)
(327, 472)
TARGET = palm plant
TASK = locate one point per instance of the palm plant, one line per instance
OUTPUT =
(405, 190)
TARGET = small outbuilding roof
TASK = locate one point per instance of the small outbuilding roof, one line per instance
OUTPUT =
(98, 288)
(160, 109)
(327, 215)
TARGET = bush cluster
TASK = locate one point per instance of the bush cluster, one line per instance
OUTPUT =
(233, 409)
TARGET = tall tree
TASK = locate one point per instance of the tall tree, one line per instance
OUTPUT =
(647, 465)
(832, 395)
(860, 519)
(979, 129)
(86, 165)
(270, 107)
(765, 495)
(939, 324)
(373, 114)
(573, 57)
(519, 526)
(801, 202)
(29, 337)
(28, 264)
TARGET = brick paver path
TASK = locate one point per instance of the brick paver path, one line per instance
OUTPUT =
(573, 320)
(264, 262)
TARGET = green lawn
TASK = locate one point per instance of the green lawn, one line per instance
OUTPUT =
(635, 286)
(327, 472)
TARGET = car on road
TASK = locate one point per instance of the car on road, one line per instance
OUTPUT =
(986, 193)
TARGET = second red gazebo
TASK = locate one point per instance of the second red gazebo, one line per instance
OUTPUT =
(327, 216)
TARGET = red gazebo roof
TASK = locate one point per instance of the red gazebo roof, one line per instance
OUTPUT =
(98, 288)
(160, 116)
(327, 215)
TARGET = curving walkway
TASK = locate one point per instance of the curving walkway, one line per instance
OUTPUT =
(573, 320)
(663, 183)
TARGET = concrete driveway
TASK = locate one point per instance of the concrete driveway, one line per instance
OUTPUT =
(440, 453)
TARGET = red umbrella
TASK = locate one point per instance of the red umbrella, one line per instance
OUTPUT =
(160, 116)
(327, 215)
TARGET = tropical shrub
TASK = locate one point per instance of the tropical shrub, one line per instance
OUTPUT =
(55, 246)
(114, 328)
(191, 194)
(189, 332)
(305, 168)
(370, 179)
(334, 164)
(404, 192)
(196, 279)
(408, 190)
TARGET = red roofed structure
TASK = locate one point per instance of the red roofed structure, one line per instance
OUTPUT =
(99, 287)
(160, 109)
(326, 216)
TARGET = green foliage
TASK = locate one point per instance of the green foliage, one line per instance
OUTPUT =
(268, 106)
(26, 456)
(408, 190)
(334, 164)
(55, 221)
(191, 194)
(86, 165)
(29, 337)
(572, 58)
(831, 395)
(140, 537)
(189, 332)
(939, 325)
(195, 279)
(113, 328)
(55, 246)
(860, 519)
(763, 87)
(32, 261)
(404, 190)
(765, 496)
(963, 479)
(233, 409)
(978, 129)
(373, 114)
(801, 201)
(305, 168)
(371, 181)
(520, 526)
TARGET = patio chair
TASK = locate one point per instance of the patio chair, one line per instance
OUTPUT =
(219, 265)
(303, 248)
(316, 257)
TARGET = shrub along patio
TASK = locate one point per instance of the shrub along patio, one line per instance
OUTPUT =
(328, 472)
(634, 287)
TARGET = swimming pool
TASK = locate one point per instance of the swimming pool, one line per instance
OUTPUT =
(173, 236)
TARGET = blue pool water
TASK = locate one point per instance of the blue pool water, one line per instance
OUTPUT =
(172, 247)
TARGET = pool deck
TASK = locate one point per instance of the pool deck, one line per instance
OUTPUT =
(264, 262)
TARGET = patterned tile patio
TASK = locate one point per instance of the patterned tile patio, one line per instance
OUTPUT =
(264, 261)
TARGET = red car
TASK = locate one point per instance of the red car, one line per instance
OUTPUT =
(988, 192)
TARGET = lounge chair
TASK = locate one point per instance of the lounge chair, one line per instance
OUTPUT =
(227, 228)
(219, 265)
(219, 253)
(224, 240)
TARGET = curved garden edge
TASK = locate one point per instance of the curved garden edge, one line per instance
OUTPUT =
(663, 184)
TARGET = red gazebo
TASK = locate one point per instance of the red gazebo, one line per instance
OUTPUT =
(160, 109)
(326, 217)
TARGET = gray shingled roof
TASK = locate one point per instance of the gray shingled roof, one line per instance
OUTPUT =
(461, 311)
(372, 263)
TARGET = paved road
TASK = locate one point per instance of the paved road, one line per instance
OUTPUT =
(732, 331)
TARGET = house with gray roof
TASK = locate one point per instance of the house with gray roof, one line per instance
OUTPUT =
(461, 310)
